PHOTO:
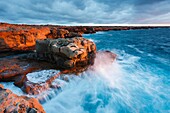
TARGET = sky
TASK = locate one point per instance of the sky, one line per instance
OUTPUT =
(74, 12)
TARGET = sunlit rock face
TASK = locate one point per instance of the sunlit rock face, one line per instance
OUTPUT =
(67, 53)
(21, 39)
(11, 103)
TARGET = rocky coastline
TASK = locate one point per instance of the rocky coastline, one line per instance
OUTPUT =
(30, 48)
(21, 37)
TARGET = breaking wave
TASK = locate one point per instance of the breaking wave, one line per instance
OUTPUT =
(121, 86)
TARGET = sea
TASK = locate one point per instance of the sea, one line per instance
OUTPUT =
(138, 81)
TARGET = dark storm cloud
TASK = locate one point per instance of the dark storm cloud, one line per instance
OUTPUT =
(85, 11)
(146, 2)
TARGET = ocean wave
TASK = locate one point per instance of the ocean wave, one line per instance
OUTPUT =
(94, 40)
(111, 88)
(136, 49)
(100, 32)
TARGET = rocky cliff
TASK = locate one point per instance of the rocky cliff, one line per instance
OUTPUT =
(15, 37)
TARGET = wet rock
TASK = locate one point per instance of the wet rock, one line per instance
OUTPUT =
(34, 88)
(107, 56)
(40, 81)
(16, 69)
(11, 103)
(112, 56)
(32, 110)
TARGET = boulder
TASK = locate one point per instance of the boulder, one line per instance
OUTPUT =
(107, 55)
(67, 53)
(12, 103)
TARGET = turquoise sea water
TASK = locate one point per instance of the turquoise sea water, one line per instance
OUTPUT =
(137, 82)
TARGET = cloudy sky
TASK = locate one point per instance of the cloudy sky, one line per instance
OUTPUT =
(85, 11)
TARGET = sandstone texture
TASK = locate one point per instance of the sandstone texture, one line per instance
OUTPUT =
(11, 103)
(67, 53)
(21, 39)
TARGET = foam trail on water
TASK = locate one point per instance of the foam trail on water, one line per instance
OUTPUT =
(100, 32)
(112, 87)
(136, 49)
(93, 40)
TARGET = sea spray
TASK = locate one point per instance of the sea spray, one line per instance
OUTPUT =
(110, 87)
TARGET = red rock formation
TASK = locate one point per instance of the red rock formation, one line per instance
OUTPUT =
(11, 103)
(15, 69)
(62, 33)
(71, 54)
(21, 39)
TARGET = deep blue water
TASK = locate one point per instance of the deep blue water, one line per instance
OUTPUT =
(152, 46)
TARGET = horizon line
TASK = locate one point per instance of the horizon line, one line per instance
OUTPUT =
(89, 24)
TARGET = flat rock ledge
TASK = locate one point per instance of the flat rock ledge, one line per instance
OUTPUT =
(12, 103)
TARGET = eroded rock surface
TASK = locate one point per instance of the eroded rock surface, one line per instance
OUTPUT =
(36, 83)
(70, 55)
(67, 53)
(16, 69)
(21, 39)
(11, 103)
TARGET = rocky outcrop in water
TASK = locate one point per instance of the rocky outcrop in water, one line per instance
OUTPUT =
(11, 103)
(67, 53)
(70, 55)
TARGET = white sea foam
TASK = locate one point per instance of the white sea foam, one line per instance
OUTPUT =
(110, 88)
(136, 49)
(161, 60)
(41, 76)
(121, 86)
(93, 40)
(100, 32)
